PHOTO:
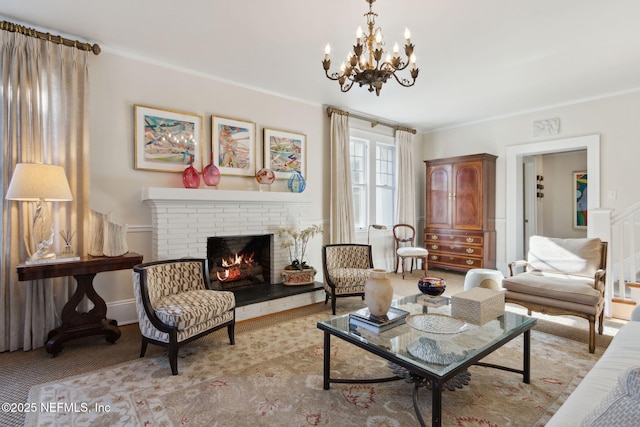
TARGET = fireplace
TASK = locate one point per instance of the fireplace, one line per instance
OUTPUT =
(239, 261)
(183, 219)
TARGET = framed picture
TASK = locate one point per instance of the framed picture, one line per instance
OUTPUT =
(580, 186)
(233, 143)
(285, 152)
(166, 140)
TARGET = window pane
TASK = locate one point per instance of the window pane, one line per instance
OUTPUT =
(359, 207)
(358, 162)
(385, 210)
(385, 184)
(373, 174)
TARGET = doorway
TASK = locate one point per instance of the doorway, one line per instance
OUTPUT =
(516, 156)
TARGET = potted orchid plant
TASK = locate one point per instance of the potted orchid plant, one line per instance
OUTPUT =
(298, 272)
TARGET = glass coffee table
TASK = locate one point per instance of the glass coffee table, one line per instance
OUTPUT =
(431, 349)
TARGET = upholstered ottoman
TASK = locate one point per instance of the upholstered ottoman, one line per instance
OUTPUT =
(483, 278)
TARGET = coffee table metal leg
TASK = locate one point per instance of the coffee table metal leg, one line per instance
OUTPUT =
(436, 403)
(327, 360)
(527, 357)
(416, 387)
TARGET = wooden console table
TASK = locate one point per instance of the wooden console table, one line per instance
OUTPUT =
(75, 324)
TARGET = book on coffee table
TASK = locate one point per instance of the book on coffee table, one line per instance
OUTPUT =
(365, 319)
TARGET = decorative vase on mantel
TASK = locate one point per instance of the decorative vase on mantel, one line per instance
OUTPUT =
(265, 178)
(296, 183)
(190, 176)
(378, 293)
(294, 277)
(211, 174)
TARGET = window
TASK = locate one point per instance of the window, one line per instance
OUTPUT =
(373, 174)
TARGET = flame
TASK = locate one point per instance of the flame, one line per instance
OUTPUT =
(223, 275)
(232, 266)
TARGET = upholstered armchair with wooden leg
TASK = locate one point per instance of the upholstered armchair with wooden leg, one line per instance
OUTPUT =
(561, 276)
(346, 270)
(176, 305)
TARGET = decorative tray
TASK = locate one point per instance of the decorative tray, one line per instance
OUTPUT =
(436, 323)
(439, 353)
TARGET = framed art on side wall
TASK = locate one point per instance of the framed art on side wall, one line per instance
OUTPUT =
(166, 140)
(580, 187)
(233, 143)
(285, 152)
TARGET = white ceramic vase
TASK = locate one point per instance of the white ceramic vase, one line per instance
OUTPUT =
(378, 292)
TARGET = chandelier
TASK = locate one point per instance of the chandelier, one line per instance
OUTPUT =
(364, 64)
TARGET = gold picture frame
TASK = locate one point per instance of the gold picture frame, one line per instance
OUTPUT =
(233, 144)
(285, 152)
(166, 140)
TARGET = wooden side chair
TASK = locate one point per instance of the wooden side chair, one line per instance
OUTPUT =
(176, 305)
(404, 235)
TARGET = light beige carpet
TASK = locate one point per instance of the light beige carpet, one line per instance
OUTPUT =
(273, 377)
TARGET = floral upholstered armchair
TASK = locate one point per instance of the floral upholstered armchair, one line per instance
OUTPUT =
(176, 306)
(346, 269)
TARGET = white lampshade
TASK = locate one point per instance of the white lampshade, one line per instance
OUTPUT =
(35, 182)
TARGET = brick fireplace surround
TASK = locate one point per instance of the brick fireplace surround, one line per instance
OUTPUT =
(182, 219)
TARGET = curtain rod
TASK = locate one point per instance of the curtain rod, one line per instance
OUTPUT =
(373, 122)
(31, 32)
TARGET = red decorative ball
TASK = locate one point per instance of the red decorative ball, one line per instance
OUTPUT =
(265, 176)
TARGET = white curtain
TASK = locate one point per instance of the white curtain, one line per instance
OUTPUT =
(43, 119)
(406, 188)
(341, 224)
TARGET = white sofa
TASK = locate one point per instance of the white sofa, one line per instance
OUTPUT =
(593, 394)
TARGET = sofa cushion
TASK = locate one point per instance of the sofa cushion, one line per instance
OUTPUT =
(577, 257)
(410, 251)
(349, 277)
(190, 308)
(576, 289)
(621, 406)
(347, 280)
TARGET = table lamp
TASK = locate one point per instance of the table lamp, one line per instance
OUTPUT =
(34, 182)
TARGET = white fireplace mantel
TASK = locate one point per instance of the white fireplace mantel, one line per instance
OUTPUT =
(207, 194)
(184, 218)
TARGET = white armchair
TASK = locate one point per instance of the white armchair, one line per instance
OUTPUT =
(562, 276)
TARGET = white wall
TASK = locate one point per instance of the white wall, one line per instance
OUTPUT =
(118, 82)
(556, 204)
(615, 119)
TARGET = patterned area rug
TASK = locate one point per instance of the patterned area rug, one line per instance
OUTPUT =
(273, 377)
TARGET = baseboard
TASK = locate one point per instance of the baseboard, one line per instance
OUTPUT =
(123, 311)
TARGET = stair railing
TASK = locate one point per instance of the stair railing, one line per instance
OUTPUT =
(625, 236)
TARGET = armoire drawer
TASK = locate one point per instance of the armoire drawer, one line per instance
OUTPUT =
(459, 239)
(450, 260)
(456, 249)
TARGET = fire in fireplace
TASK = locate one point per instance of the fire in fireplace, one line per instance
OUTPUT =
(236, 261)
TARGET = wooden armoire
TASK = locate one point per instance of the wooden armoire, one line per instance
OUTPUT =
(460, 212)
